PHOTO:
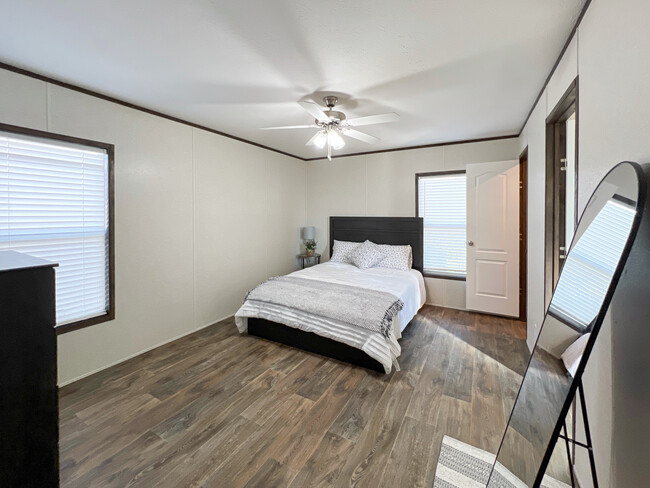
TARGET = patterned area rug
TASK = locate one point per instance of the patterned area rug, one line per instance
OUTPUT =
(463, 466)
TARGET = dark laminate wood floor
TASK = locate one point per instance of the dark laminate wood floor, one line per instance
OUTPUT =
(219, 409)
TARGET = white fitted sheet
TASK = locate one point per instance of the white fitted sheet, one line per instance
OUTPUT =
(406, 285)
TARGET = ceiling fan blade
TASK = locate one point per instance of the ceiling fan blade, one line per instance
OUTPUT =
(374, 119)
(360, 136)
(314, 110)
(312, 141)
(290, 127)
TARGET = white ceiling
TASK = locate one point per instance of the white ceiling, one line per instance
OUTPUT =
(453, 69)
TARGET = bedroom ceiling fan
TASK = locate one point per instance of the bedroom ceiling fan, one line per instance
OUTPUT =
(333, 124)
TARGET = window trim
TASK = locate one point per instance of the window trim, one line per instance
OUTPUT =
(110, 152)
(417, 214)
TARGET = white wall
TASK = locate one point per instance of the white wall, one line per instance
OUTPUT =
(609, 53)
(383, 184)
(200, 219)
(175, 247)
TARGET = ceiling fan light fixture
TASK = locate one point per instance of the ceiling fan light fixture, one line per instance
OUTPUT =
(321, 139)
(334, 139)
(332, 125)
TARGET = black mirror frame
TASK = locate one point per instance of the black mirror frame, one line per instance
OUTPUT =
(642, 176)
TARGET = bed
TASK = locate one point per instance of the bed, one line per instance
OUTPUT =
(336, 339)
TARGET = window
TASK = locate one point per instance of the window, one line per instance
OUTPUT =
(55, 204)
(588, 272)
(442, 203)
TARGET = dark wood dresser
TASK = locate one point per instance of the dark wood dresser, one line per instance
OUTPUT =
(29, 423)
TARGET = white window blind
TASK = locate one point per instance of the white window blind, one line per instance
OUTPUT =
(54, 205)
(589, 269)
(442, 203)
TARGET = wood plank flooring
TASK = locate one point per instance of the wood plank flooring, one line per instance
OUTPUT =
(224, 410)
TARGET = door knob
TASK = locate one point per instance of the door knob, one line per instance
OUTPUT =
(470, 243)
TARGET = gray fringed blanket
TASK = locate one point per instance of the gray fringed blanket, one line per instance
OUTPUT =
(371, 309)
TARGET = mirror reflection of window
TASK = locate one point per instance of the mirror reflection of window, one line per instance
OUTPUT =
(588, 271)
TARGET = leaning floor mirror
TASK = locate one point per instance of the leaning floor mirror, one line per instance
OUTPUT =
(607, 264)
(592, 269)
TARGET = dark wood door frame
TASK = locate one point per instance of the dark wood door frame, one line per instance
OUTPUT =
(523, 234)
(555, 195)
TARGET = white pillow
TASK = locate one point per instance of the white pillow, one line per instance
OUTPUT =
(395, 257)
(342, 251)
(366, 255)
(573, 354)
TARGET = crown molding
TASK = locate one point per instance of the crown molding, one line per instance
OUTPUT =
(424, 146)
(134, 106)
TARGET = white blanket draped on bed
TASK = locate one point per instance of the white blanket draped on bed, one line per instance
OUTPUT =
(406, 285)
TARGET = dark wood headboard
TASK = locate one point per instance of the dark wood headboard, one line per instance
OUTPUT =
(380, 230)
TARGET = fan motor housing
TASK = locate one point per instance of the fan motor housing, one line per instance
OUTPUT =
(335, 117)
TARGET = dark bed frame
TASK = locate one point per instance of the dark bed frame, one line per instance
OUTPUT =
(381, 230)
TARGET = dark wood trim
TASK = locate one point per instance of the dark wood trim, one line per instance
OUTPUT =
(441, 173)
(444, 277)
(523, 234)
(566, 105)
(555, 191)
(52, 135)
(110, 151)
(82, 324)
(417, 214)
(557, 62)
(549, 205)
(424, 146)
(149, 111)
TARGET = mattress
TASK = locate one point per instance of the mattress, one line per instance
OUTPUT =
(406, 285)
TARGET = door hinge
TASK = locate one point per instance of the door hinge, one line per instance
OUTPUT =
(563, 164)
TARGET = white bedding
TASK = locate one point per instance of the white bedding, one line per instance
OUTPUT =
(406, 285)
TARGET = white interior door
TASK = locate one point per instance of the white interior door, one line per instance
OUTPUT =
(493, 237)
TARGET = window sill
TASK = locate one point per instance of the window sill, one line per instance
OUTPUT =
(81, 324)
(444, 277)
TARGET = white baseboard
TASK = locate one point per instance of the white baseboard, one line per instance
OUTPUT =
(119, 361)
(444, 306)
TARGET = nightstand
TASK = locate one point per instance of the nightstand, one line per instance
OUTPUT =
(305, 258)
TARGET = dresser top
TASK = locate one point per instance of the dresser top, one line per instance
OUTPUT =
(12, 260)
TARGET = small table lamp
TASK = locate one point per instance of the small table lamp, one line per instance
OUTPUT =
(308, 233)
